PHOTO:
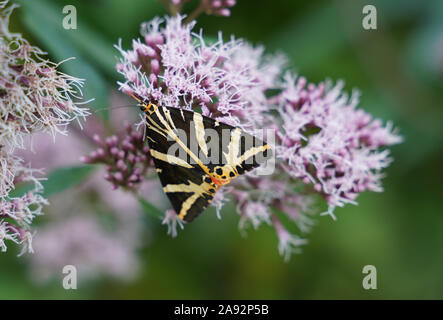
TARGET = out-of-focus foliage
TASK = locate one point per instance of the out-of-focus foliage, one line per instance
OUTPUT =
(399, 70)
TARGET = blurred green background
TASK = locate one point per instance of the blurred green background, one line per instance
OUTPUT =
(399, 70)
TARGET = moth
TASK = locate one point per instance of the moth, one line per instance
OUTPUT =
(195, 155)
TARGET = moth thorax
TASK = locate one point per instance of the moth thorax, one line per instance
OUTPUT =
(148, 108)
(222, 175)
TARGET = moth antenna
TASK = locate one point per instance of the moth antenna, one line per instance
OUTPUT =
(136, 97)
(114, 107)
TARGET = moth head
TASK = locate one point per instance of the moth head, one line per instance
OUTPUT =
(148, 108)
(221, 175)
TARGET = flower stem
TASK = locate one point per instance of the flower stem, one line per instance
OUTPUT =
(197, 11)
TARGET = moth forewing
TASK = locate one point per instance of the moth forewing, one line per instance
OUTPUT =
(195, 155)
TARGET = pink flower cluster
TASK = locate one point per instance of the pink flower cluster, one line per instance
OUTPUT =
(214, 7)
(82, 241)
(178, 68)
(126, 161)
(34, 97)
(325, 144)
(73, 233)
(328, 143)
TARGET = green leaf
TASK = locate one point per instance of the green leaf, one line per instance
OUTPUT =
(151, 209)
(57, 181)
(64, 178)
(20, 190)
(97, 49)
(85, 39)
(312, 39)
(117, 19)
(210, 40)
(44, 21)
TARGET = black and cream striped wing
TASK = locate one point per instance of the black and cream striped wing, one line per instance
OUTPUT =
(187, 186)
(218, 145)
(194, 155)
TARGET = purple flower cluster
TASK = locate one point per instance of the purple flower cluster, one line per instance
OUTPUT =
(34, 97)
(21, 210)
(82, 241)
(328, 143)
(177, 68)
(126, 159)
(17, 212)
(73, 233)
(211, 7)
(324, 143)
(218, 7)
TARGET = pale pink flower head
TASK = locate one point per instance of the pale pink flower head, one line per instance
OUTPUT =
(175, 67)
(330, 144)
(172, 221)
(218, 7)
(211, 7)
(324, 143)
(81, 241)
(34, 97)
(287, 243)
(18, 212)
(127, 159)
